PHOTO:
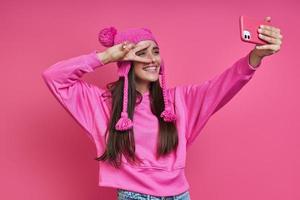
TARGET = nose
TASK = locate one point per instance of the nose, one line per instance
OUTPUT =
(152, 57)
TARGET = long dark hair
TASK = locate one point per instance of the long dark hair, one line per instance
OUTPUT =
(122, 142)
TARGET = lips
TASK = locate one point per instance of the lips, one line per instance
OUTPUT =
(150, 68)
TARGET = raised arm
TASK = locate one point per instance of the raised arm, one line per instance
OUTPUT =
(201, 101)
(78, 97)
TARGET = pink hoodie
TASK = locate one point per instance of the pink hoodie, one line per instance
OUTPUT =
(194, 105)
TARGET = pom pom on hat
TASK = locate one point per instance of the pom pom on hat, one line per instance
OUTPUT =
(146, 29)
(107, 35)
(124, 123)
(168, 116)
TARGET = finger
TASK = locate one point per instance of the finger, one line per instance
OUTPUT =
(272, 34)
(133, 57)
(272, 47)
(270, 28)
(126, 46)
(140, 47)
(130, 46)
(269, 39)
(268, 19)
(123, 45)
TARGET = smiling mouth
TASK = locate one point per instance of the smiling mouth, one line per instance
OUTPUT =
(151, 68)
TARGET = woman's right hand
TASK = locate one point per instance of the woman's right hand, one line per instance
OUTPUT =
(125, 51)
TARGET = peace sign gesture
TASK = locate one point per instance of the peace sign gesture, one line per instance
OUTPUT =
(126, 51)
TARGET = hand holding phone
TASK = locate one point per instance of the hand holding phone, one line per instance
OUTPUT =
(249, 29)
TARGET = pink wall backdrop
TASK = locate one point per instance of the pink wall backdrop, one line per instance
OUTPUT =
(249, 149)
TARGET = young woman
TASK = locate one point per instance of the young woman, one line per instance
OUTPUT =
(142, 129)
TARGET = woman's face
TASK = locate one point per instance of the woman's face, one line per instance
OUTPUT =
(147, 72)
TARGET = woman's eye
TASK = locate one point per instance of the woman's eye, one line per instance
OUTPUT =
(141, 54)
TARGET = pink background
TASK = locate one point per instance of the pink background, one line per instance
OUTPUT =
(249, 149)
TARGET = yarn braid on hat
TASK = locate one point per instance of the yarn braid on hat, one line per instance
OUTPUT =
(110, 36)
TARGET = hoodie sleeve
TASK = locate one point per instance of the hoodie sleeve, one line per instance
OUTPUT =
(79, 98)
(201, 101)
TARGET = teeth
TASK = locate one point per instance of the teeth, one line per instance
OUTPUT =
(151, 68)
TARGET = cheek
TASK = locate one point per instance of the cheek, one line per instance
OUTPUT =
(138, 69)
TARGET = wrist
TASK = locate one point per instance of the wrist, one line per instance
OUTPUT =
(254, 59)
(103, 57)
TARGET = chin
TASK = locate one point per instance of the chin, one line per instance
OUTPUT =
(146, 76)
(151, 79)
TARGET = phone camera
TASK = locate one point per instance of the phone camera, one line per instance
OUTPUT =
(246, 35)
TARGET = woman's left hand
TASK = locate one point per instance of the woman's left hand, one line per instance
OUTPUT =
(271, 35)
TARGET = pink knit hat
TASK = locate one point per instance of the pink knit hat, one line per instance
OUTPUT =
(109, 37)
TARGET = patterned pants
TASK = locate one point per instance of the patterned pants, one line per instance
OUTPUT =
(130, 195)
